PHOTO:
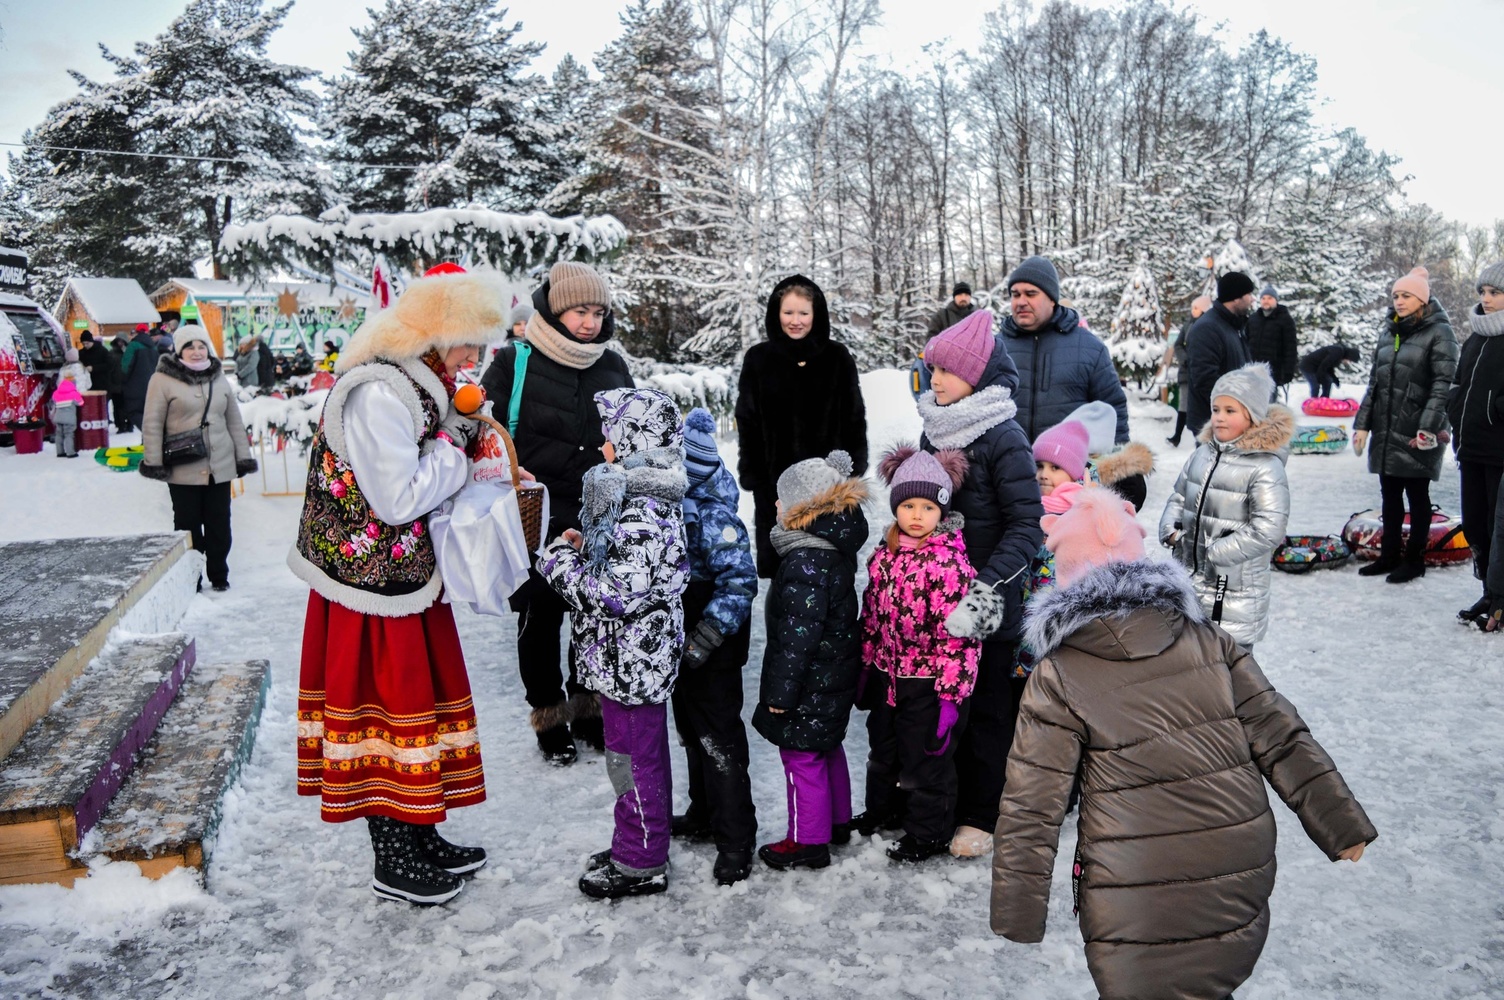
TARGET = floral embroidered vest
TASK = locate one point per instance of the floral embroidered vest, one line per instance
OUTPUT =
(342, 537)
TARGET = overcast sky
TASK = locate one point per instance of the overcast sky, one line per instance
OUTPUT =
(1420, 80)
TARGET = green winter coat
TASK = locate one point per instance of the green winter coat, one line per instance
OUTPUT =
(1414, 365)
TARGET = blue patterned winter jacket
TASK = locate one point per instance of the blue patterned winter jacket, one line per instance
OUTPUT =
(720, 550)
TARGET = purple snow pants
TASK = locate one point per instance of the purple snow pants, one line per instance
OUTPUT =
(638, 765)
(819, 793)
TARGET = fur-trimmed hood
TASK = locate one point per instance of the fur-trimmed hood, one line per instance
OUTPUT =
(847, 495)
(607, 487)
(1098, 613)
(1273, 434)
(439, 311)
(172, 366)
(1133, 459)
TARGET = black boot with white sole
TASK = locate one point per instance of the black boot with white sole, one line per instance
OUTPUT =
(441, 853)
(402, 873)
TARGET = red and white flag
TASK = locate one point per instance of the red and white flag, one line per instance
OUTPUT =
(381, 288)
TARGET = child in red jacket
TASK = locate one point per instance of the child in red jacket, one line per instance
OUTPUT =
(918, 676)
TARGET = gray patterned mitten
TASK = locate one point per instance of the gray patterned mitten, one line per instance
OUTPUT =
(980, 613)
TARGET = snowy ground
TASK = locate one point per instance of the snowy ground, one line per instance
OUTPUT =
(1407, 701)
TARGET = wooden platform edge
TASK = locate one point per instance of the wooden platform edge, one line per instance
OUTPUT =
(40, 697)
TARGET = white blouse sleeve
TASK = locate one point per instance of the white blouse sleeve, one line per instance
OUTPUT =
(398, 482)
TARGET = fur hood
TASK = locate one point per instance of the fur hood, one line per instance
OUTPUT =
(1273, 434)
(607, 487)
(1105, 598)
(172, 365)
(1133, 459)
(440, 311)
(844, 496)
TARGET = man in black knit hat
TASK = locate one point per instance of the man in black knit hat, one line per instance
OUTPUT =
(1216, 345)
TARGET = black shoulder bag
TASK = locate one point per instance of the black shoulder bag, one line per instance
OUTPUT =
(188, 446)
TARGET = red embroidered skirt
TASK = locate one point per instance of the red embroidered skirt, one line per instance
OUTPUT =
(386, 726)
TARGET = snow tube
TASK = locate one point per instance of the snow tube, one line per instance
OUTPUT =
(1447, 545)
(1302, 553)
(1321, 406)
(119, 459)
(1318, 440)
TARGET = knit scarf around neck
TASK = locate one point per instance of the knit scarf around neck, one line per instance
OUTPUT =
(560, 348)
(965, 420)
(785, 540)
(1486, 324)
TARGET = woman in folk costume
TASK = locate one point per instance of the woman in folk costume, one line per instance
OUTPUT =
(386, 727)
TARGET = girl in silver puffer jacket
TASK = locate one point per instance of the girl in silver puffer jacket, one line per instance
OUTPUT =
(1231, 502)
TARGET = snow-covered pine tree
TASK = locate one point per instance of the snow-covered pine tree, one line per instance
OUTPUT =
(212, 92)
(1232, 257)
(654, 166)
(440, 86)
(569, 110)
(1137, 338)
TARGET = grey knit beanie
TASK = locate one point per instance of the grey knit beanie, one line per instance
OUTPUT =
(803, 481)
(1493, 275)
(521, 313)
(1269, 291)
(571, 284)
(1252, 385)
(1040, 273)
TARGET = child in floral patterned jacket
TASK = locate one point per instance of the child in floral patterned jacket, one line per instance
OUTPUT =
(922, 675)
(624, 578)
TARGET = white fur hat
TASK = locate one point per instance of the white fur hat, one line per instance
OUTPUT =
(187, 334)
(437, 310)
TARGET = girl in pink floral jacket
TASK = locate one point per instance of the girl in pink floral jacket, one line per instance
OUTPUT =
(918, 675)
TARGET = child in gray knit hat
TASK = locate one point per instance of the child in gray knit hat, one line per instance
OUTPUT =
(1230, 505)
(813, 654)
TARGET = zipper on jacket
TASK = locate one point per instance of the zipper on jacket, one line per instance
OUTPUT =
(1034, 384)
(1205, 488)
(1472, 376)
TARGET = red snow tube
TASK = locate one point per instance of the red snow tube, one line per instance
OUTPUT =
(1321, 406)
(1446, 547)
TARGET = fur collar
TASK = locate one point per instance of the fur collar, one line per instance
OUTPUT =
(1111, 591)
(172, 365)
(1485, 324)
(606, 488)
(843, 496)
(1272, 435)
(965, 420)
(1133, 459)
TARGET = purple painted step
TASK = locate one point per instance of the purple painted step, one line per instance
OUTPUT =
(71, 763)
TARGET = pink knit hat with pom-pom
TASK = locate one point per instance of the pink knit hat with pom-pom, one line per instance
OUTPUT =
(964, 348)
(912, 473)
(1099, 528)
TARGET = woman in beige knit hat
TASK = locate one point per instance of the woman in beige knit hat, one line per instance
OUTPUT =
(562, 363)
(1405, 410)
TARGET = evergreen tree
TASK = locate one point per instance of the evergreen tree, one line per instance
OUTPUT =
(655, 167)
(440, 86)
(569, 112)
(1137, 340)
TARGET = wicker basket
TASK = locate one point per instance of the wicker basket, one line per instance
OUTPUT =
(529, 497)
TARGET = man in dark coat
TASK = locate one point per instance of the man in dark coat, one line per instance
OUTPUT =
(1320, 367)
(1216, 345)
(117, 384)
(1061, 364)
(958, 308)
(136, 370)
(98, 362)
(1272, 338)
(266, 365)
(558, 439)
(797, 398)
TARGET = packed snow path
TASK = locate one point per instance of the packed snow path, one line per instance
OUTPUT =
(1406, 700)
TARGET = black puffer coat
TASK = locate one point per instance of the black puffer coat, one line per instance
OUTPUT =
(814, 645)
(948, 316)
(1060, 367)
(999, 496)
(796, 399)
(1476, 406)
(1414, 365)
(558, 427)
(1214, 347)
(1272, 339)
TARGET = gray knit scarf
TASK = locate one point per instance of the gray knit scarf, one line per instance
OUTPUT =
(786, 540)
(557, 347)
(965, 420)
(1485, 324)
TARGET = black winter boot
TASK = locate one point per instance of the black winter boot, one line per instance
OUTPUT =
(442, 854)
(401, 871)
(789, 853)
(690, 825)
(551, 723)
(585, 720)
(911, 850)
(732, 867)
(1407, 571)
(610, 882)
(1380, 566)
(869, 822)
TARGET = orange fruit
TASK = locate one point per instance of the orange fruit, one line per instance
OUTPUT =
(469, 398)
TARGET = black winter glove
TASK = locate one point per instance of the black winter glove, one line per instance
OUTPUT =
(246, 466)
(699, 644)
(157, 472)
(871, 688)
